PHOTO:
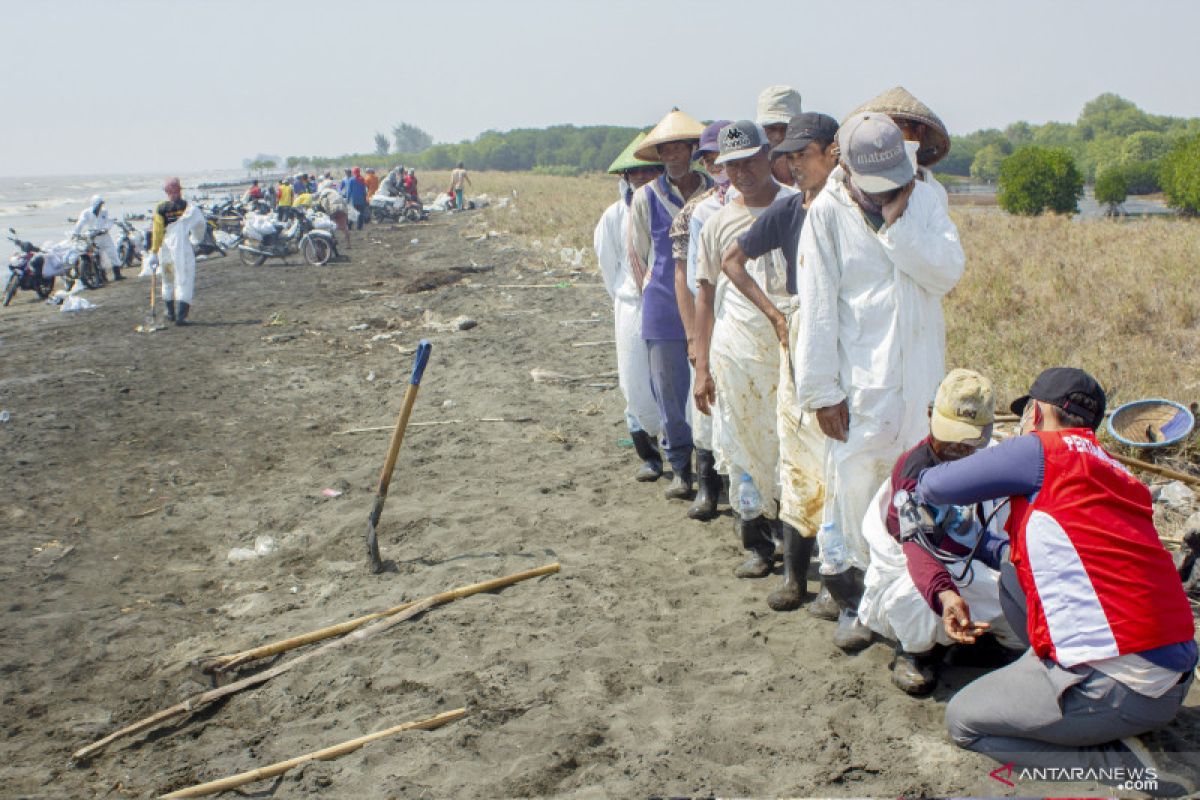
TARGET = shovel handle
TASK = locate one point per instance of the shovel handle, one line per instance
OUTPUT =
(424, 348)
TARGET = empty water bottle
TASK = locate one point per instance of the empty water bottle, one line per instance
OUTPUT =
(749, 502)
(833, 549)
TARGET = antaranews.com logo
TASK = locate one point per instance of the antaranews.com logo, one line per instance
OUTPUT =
(1143, 779)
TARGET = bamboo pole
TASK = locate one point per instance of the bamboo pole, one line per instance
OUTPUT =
(196, 702)
(222, 663)
(336, 751)
(1166, 472)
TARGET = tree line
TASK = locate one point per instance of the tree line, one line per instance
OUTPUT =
(1113, 144)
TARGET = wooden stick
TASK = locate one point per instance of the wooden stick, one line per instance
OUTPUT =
(580, 321)
(196, 702)
(336, 751)
(1166, 472)
(593, 344)
(390, 427)
(236, 659)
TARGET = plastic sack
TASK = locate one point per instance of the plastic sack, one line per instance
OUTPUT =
(352, 213)
(76, 303)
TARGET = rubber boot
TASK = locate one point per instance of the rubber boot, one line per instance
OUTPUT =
(647, 450)
(681, 483)
(170, 310)
(914, 673)
(708, 486)
(847, 589)
(757, 541)
(797, 552)
(181, 317)
(824, 606)
(117, 274)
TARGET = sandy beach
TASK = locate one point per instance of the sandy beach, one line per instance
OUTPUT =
(135, 463)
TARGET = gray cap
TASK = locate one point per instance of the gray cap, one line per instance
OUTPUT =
(742, 139)
(873, 148)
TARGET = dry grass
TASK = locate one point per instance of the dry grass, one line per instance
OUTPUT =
(1118, 298)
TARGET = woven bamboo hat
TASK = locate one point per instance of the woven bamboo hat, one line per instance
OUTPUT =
(676, 126)
(627, 160)
(899, 104)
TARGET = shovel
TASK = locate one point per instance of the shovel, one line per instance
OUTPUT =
(385, 477)
(150, 322)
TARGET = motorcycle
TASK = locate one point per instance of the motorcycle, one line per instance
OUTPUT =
(394, 209)
(129, 246)
(88, 265)
(26, 270)
(290, 232)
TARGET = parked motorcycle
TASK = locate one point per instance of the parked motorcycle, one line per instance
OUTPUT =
(283, 235)
(394, 209)
(129, 245)
(88, 266)
(25, 270)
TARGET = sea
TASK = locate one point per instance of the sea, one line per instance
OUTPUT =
(43, 209)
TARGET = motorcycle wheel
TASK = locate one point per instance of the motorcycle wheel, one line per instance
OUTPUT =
(413, 214)
(90, 273)
(11, 288)
(45, 288)
(316, 250)
(125, 254)
(251, 259)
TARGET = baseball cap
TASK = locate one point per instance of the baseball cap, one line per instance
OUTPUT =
(708, 139)
(804, 128)
(741, 139)
(777, 105)
(1070, 389)
(873, 148)
(964, 409)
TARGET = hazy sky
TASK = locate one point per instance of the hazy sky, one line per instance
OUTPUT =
(98, 86)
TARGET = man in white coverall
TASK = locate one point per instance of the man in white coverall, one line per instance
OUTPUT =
(95, 219)
(175, 222)
(877, 253)
(737, 353)
(633, 362)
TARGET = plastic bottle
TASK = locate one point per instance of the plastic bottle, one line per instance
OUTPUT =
(749, 500)
(833, 549)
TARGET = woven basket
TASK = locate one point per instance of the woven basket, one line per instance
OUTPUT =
(1151, 423)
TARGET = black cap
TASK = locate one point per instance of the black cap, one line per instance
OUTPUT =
(804, 128)
(1070, 389)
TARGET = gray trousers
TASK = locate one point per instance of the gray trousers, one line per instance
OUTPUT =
(1037, 713)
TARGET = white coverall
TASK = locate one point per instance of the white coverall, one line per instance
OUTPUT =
(871, 333)
(744, 359)
(702, 423)
(633, 361)
(894, 608)
(177, 256)
(90, 222)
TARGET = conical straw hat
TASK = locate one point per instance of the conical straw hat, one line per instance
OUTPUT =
(627, 160)
(676, 126)
(899, 104)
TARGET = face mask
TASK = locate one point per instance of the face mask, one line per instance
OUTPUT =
(863, 201)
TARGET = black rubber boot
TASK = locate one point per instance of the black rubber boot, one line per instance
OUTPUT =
(824, 606)
(181, 317)
(117, 274)
(708, 486)
(915, 673)
(647, 450)
(756, 538)
(170, 310)
(797, 552)
(681, 483)
(847, 589)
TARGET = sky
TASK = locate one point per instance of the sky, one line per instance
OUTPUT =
(145, 86)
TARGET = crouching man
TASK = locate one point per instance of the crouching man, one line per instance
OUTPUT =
(1109, 626)
(934, 569)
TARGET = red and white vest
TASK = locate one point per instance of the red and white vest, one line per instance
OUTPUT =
(1097, 580)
